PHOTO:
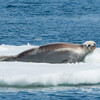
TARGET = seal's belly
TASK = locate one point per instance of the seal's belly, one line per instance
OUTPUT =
(57, 57)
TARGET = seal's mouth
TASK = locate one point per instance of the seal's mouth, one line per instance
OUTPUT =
(93, 47)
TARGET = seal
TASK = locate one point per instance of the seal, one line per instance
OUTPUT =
(54, 53)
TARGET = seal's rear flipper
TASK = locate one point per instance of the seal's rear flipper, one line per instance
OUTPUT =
(6, 58)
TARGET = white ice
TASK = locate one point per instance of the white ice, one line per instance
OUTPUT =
(26, 74)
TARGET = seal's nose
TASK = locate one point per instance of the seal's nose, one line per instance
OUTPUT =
(94, 46)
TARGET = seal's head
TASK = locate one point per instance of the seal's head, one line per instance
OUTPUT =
(90, 45)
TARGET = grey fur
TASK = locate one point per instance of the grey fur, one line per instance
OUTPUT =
(51, 53)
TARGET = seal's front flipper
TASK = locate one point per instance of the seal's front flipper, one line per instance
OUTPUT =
(67, 61)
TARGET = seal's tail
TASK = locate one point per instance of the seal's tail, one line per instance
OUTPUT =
(6, 58)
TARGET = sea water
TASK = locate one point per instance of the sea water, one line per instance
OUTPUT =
(26, 24)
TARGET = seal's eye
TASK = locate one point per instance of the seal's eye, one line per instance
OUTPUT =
(89, 45)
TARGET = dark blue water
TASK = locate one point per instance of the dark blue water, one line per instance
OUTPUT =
(57, 93)
(45, 21)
